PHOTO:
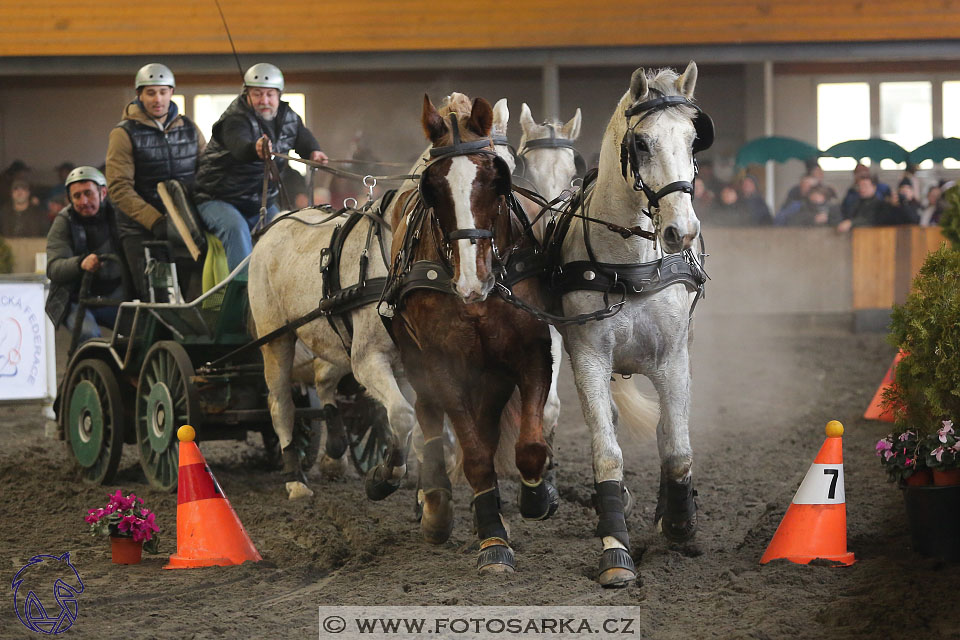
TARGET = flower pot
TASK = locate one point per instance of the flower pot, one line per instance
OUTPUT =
(921, 478)
(125, 550)
(933, 514)
(946, 478)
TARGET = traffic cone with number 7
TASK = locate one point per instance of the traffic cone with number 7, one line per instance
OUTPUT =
(815, 525)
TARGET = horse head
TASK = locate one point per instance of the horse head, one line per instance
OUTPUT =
(466, 185)
(498, 133)
(661, 130)
(550, 160)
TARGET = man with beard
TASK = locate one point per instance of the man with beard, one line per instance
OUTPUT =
(152, 143)
(83, 230)
(230, 175)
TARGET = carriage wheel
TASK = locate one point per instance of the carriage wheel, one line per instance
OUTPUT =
(368, 431)
(94, 420)
(166, 400)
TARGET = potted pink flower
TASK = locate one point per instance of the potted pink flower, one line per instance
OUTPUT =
(132, 528)
(943, 455)
(902, 456)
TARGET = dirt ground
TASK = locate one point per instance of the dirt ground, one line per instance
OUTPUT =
(763, 390)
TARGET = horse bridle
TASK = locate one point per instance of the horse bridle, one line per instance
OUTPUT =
(553, 142)
(630, 147)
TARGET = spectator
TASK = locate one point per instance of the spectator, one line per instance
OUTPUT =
(18, 170)
(702, 197)
(871, 209)
(56, 196)
(852, 196)
(799, 191)
(83, 231)
(931, 211)
(906, 199)
(812, 211)
(21, 217)
(910, 175)
(754, 202)
(728, 210)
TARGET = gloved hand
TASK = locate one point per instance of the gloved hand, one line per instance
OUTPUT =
(159, 229)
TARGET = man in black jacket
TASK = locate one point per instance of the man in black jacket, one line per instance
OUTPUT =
(81, 231)
(230, 175)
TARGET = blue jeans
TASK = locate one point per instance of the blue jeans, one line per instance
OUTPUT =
(92, 319)
(232, 228)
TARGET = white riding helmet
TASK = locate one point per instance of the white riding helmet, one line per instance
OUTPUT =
(81, 174)
(264, 75)
(154, 74)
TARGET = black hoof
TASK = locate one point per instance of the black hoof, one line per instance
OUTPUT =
(616, 569)
(539, 502)
(376, 486)
(676, 514)
(497, 558)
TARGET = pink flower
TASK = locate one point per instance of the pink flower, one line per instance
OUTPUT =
(887, 455)
(883, 445)
(938, 454)
(93, 515)
(905, 435)
(948, 423)
(908, 462)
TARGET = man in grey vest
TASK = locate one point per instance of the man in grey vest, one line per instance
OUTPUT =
(229, 188)
(82, 231)
(152, 143)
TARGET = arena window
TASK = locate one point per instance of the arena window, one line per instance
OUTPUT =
(906, 116)
(843, 113)
(951, 117)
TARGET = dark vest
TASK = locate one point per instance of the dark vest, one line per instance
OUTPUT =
(161, 155)
(222, 177)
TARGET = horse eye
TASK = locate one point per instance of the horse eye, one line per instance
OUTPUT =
(642, 146)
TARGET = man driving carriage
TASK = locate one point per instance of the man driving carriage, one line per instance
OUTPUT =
(151, 144)
(230, 175)
(82, 231)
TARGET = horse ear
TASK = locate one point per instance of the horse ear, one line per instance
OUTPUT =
(433, 123)
(527, 123)
(638, 85)
(481, 118)
(501, 114)
(571, 130)
(687, 82)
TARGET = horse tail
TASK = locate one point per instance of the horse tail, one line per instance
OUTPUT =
(639, 412)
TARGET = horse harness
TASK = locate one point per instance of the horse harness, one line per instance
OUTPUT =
(407, 275)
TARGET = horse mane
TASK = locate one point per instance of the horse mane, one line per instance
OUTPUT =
(462, 105)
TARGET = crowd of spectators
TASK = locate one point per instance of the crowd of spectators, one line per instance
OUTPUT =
(813, 203)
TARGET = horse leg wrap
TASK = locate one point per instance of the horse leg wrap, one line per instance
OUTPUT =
(336, 444)
(676, 512)
(295, 481)
(608, 501)
(486, 515)
(538, 501)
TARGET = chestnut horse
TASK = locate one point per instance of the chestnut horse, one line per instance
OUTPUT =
(464, 352)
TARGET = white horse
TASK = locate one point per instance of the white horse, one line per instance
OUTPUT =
(659, 129)
(285, 283)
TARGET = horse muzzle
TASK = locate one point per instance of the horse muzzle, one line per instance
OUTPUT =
(676, 238)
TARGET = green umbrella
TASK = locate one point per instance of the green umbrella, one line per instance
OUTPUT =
(937, 150)
(874, 148)
(776, 148)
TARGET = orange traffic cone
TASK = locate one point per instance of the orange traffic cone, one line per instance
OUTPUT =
(209, 532)
(876, 410)
(815, 525)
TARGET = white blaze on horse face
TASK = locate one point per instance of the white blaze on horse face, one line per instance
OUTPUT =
(460, 179)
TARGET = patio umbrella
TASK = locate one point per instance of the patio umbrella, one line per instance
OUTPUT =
(874, 148)
(937, 150)
(776, 148)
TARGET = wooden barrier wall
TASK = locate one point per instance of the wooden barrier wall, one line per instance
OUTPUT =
(121, 27)
(885, 260)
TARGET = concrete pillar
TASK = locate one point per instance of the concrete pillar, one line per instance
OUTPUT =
(551, 91)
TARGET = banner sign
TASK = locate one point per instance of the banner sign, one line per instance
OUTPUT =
(27, 351)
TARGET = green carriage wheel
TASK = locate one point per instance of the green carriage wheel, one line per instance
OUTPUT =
(166, 400)
(368, 431)
(94, 420)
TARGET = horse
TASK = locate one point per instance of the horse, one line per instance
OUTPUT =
(466, 352)
(286, 283)
(628, 244)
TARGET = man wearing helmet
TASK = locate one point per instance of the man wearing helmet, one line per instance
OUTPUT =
(82, 230)
(152, 143)
(230, 175)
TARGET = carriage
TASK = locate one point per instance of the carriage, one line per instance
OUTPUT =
(170, 363)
